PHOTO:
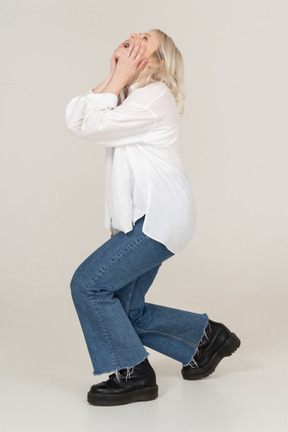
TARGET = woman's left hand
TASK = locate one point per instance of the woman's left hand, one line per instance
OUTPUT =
(128, 67)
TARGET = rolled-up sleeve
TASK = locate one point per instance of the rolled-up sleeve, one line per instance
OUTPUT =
(97, 117)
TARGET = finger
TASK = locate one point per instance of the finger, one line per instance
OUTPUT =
(141, 52)
(124, 42)
(142, 64)
(134, 52)
(130, 48)
(126, 52)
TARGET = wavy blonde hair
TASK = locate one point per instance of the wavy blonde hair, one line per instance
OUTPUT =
(169, 69)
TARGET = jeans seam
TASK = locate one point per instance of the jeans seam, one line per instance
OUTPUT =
(98, 315)
(101, 271)
(166, 334)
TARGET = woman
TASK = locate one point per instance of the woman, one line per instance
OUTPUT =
(134, 113)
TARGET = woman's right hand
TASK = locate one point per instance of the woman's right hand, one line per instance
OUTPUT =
(115, 56)
(113, 63)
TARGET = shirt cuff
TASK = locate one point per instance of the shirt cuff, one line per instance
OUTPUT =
(103, 100)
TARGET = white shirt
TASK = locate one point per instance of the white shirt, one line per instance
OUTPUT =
(144, 170)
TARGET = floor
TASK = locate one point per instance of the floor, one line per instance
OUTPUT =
(246, 393)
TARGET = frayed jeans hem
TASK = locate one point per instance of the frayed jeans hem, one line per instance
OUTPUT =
(120, 368)
(196, 348)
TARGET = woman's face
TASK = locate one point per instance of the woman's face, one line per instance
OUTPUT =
(149, 39)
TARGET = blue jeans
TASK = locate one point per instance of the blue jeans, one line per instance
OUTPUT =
(108, 291)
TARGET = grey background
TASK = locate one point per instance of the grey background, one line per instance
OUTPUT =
(234, 145)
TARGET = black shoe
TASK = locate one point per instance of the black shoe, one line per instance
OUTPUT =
(218, 342)
(126, 386)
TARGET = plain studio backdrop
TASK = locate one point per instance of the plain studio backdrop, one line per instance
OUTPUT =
(234, 146)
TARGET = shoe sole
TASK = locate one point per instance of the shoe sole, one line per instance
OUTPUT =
(226, 350)
(141, 395)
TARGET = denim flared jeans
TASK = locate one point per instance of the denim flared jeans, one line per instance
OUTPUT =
(108, 291)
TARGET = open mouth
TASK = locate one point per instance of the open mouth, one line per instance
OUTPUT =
(126, 44)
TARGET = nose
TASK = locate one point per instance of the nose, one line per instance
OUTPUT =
(134, 37)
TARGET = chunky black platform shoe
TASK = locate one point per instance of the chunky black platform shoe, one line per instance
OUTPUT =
(126, 386)
(217, 343)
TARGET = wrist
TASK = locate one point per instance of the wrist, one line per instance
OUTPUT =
(109, 76)
(104, 83)
(115, 85)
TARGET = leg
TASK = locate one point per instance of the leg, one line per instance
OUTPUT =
(173, 332)
(217, 342)
(112, 342)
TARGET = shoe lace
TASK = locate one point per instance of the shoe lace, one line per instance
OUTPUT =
(120, 375)
(193, 363)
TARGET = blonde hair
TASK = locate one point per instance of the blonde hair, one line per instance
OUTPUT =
(169, 68)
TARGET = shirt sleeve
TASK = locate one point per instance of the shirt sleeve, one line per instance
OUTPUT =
(98, 118)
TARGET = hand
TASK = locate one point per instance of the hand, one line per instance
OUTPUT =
(116, 85)
(116, 54)
(130, 63)
(113, 63)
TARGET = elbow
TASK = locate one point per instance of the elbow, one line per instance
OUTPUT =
(95, 135)
(86, 131)
(77, 128)
(68, 125)
(72, 127)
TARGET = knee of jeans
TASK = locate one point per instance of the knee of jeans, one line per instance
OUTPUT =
(135, 317)
(77, 282)
(74, 284)
(81, 284)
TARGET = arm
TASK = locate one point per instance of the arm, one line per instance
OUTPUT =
(128, 67)
(108, 124)
(76, 108)
(94, 115)
(124, 70)
(104, 84)
(106, 81)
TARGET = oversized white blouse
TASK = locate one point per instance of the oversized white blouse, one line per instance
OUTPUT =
(144, 170)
